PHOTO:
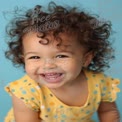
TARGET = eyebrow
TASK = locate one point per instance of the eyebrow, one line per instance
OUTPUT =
(66, 48)
(59, 50)
(67, 51)
(29, 53)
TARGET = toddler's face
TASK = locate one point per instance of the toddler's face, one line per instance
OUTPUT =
(52, 66)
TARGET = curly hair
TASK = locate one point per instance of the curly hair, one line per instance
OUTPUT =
(91, 32)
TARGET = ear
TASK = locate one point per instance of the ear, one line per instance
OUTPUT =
(88, 58)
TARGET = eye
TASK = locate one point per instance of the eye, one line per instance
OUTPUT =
(61, 56)
(34, 57)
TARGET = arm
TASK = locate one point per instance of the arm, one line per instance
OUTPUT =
(108, 112)
(23, 113)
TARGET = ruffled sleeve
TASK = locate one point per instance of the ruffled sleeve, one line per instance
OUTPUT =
(27, 90)
(109, 88)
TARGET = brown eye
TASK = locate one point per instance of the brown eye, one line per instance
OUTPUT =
(34, 57)
(61, 56)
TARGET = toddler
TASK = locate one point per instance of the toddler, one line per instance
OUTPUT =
(64, 52)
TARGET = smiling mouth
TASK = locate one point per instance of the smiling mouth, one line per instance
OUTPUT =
(52, 77)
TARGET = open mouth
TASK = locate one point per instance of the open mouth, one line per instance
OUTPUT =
(52, 77)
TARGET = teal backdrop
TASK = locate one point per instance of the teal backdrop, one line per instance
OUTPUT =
(108, 9)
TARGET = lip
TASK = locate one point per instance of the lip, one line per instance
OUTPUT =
(52, 77)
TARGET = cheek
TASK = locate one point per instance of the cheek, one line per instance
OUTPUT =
(29, 68)
(75, 69)
(31, 71)
(72, 66)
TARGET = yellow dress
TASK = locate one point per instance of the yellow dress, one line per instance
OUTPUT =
(40, 98)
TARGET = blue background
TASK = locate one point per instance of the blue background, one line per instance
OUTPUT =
(108, 9)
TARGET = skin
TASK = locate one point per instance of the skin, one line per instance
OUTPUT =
(108, 112)
(60, 69)
(42, 62)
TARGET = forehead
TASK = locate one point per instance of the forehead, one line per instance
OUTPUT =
(63, 41)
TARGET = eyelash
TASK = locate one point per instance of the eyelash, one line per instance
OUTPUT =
(58, 56)
(34, 57)
(61, 56)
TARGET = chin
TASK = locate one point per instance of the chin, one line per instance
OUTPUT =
(54, 86)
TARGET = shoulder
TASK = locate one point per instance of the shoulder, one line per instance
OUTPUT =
(106, 85)
(101, 77)
(27, 90)
(24, 85)
(23, 82)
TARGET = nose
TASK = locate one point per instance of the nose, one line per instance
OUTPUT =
(49, 64)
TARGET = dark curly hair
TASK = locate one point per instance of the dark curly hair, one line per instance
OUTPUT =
(91, 32)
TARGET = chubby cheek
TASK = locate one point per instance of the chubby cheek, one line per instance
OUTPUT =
(75, 69)
(72, 67)
(30, 69)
